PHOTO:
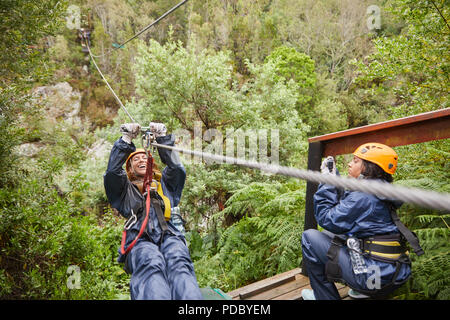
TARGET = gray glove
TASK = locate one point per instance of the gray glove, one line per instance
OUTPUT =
(328, 166)
(130, 131)
(158, 129)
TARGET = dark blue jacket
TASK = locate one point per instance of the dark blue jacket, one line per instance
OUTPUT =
(360, 215)
(357, 213)
(124, 195)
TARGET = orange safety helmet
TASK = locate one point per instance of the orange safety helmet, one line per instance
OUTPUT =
(382, 155)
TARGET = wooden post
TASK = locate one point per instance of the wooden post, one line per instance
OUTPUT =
(315, 152)
(314, 160)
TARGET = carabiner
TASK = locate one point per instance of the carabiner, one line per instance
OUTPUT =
(131, 221)
(152, 188)
(147, 139)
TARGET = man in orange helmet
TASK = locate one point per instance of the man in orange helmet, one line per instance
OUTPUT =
(363, 243)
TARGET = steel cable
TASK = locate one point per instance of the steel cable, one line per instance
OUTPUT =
(107, 83)
(423, 198)
(142, 31)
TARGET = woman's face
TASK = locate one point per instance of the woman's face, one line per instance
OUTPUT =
(355, 167)
(139, 164)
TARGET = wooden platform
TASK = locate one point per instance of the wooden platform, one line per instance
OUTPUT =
(283, 286)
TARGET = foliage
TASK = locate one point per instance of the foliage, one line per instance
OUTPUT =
(180, 87)
(44, 230)
(410, 69)
(291, 64)
(44, 233)
(331, 32)
(24, 24)
(263, 243)
(264, 64)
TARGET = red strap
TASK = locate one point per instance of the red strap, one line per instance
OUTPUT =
(147, 180)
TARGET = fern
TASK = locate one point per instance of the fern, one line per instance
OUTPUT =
(432, 275)
(267, 240)
(427, 218)
(284, 236)
(430, 235)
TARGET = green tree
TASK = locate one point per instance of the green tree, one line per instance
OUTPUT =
(409, 73)
(179, 87)
(43, 229)
(291, 64)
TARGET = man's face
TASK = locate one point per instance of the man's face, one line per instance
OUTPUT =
(139, 164)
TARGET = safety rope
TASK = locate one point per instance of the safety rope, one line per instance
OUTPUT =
(106, 81)
(142, 31)
(424, 198)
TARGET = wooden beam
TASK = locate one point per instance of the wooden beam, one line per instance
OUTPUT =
(244, 293)
(283, 286)
(423, 127)
(315, 154)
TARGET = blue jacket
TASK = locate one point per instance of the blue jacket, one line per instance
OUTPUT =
(124, 195)
(360, 215)
(356, 213)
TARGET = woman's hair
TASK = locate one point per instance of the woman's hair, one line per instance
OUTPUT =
(373, 171)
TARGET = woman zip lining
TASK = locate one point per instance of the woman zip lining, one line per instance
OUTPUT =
(153, 249)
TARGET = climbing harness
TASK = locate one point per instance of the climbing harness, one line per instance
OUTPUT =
(159, 214)
(387, 248)
(133, 219)
(390, 248)
(374, 248)
(332, 269)
(409, 236)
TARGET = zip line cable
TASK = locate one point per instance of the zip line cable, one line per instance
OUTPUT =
(143, 30)
(106, 81)
(120, 46)
(423, 198)
(420, 197)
